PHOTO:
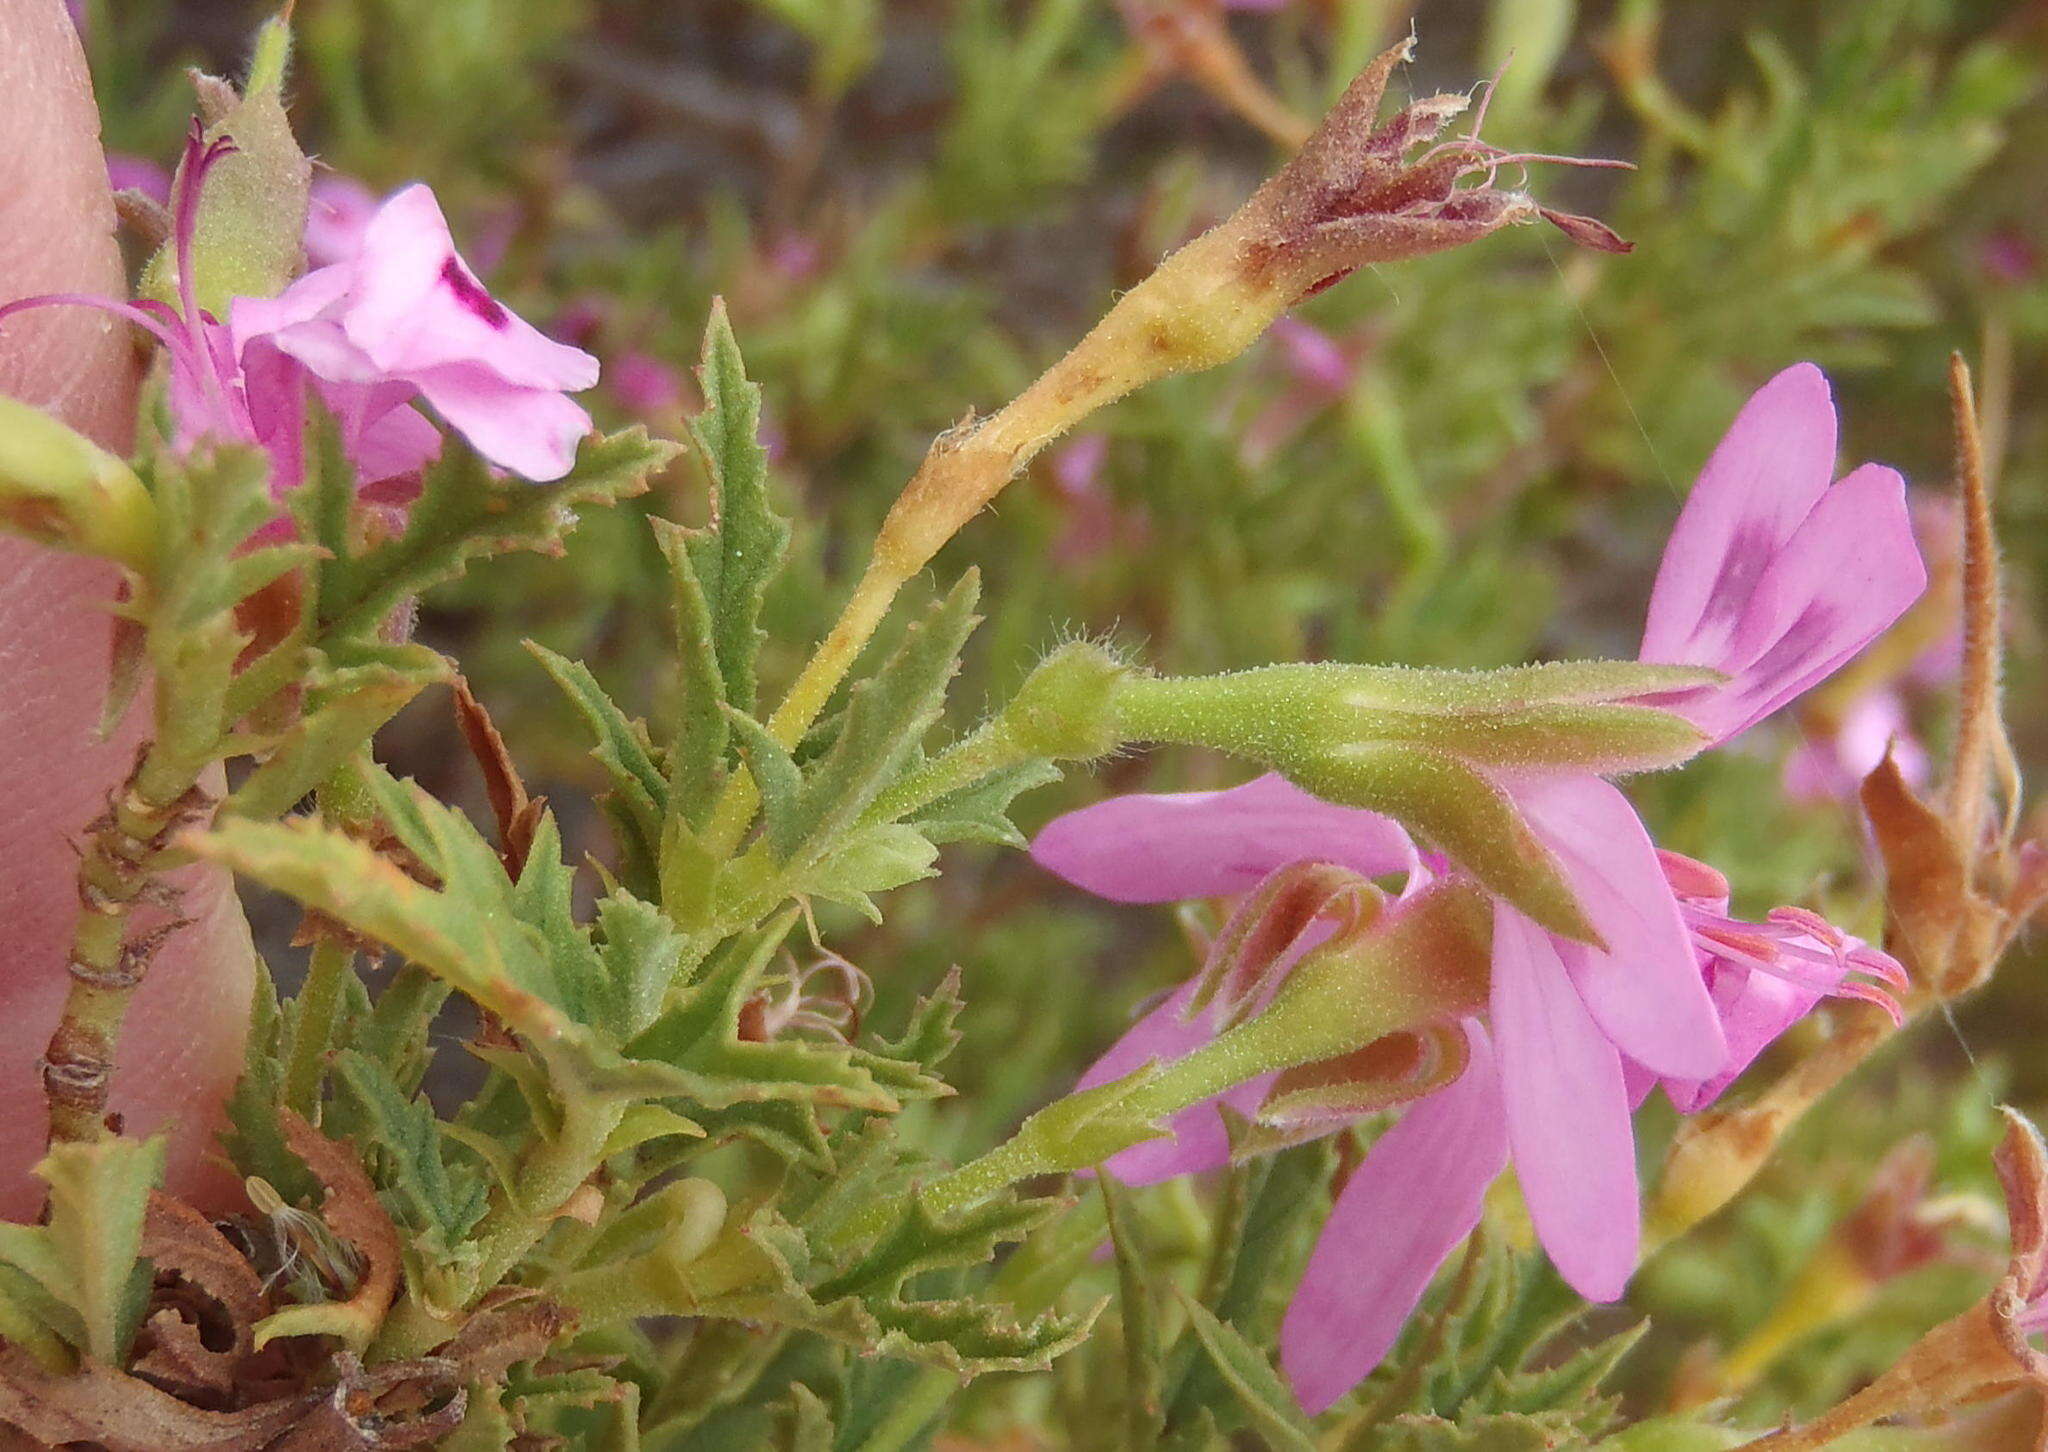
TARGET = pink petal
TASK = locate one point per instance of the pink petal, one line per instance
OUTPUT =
(338, 214)
(1567, 1112)
(312, 296)
(1765, 475)
(1848, 572)
(1755, 1009)
(1168, 847)
(1645, 991)
(416, 306)
(384, 435)
(139, 174)
(531, 431)
(1198, 1140)
(1418, 1193)
(323, 346)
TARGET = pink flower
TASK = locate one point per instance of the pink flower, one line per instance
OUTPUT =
(1320, 371)
(1831, 764)
(242, 389)
(338, 213)
(1774, 575)
(1547, 1079)
(1095, 523)
(407, 311)
(402, 317)
(1765, 977)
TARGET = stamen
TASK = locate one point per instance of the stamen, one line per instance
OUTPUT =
(142, 315)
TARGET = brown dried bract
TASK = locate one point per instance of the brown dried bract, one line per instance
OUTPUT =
(518, 814)
(1354, 196)
(1982, 1354)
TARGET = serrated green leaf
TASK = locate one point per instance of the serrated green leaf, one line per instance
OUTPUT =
(464, 513)
(254, 1141)
(868, 860)
(866, 1162)
(807, 1422)
(1264, 1397)
(696, 1043)
(1570, 1386)
(641, 954)
(981, 812)
(87, 1258)
(920, 1241)
(933, 1030)
(1272, 1210)
(1504, 1432)
(345, 708)
(774, 771)
(737, 557)
(467, 931)
(697, 745)
(401, 1140)
(886, 716)
(644, 1122)
(971, 1338)
(787, 1128)
(638, 790)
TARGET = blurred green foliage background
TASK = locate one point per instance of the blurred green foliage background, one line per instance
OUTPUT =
(912, 205)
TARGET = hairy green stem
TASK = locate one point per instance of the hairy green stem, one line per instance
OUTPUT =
(552, 1171)
(988, 748)
(319, 1003)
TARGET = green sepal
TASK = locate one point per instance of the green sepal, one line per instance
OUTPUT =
(248, 238)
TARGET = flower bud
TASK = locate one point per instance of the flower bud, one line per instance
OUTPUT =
(248, 237)
(60, 489)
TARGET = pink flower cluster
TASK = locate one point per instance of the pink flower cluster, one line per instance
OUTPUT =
(393, 318)
(1774, 576)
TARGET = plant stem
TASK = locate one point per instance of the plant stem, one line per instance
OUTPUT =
(988, 748)
(1978, 729)
(551, 1172)
(319, 1003)
(1184, 317)
(118, 866)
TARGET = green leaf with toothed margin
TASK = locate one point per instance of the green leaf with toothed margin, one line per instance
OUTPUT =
(86, 1260)
(886, 716)
(464, 513)
(1264, 1397)
(742, 550)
